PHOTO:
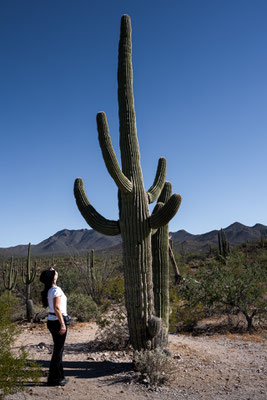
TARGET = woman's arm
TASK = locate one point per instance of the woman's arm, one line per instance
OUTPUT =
(56, 302)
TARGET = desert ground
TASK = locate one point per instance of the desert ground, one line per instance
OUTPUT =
(214, 367)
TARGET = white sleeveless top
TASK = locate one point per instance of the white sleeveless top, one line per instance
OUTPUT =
(56, 291)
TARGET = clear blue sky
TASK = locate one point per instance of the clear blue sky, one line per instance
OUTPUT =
(200, 70)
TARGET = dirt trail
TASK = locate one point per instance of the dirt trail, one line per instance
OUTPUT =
(221, 367)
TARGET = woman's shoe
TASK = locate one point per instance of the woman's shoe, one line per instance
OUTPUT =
(63, 382)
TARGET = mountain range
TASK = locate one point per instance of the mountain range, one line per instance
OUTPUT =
(71, 242)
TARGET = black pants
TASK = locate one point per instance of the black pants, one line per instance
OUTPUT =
(56, 372)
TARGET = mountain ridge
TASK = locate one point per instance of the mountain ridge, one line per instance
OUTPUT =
(71, 242)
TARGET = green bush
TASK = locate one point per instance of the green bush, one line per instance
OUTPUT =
(82, 307)
(236, 286)
(15, 369)
(184, 317)
(114, 289)
(68, 279)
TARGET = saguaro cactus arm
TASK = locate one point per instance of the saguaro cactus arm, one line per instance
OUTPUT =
(165, 193)
(165, 213)
(92, 217)
(155, 190)
(157, 207)
(123, 183)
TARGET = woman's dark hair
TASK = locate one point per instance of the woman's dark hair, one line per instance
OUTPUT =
(46, 278)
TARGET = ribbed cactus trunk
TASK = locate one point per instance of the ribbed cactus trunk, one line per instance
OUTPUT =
(134, 212)
(160, 267)
(135, 223)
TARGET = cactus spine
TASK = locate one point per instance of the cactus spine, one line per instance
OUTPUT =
(135, 223)
(10, 276)
(28, 277)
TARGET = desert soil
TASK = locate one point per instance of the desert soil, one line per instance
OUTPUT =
(219, 367)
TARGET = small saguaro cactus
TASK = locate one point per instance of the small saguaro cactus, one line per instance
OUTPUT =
(10, 276)
(135, 223)
(28, 277)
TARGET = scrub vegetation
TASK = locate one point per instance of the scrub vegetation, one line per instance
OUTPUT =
(216, 294)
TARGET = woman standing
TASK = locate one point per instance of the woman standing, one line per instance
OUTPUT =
(54, 298)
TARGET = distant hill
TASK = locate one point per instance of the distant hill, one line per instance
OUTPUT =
(65, 242)
(70, 242)
(236, 234)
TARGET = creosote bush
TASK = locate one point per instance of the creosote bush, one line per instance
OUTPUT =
(155, 367)
(15, 369)
(82, 307)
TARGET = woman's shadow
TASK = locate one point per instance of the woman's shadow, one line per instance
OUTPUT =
(90, 369)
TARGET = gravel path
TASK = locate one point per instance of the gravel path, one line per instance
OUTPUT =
(220, 367)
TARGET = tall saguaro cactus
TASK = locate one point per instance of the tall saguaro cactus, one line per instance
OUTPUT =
(135, 223)
(28, 277)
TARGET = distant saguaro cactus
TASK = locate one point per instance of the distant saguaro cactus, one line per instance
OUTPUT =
(28, 277)
(223, 244)
(135, 223)
(92, 285)
(10, 276)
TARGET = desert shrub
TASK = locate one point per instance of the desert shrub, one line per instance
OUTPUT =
(114, 289)
(184, 315)
(97, 277)
(155, 367)
(82, 307)
(68, 279)
(15, 369)
(235, 286)
(112, 333)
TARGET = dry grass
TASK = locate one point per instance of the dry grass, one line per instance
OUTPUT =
(246, 337)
